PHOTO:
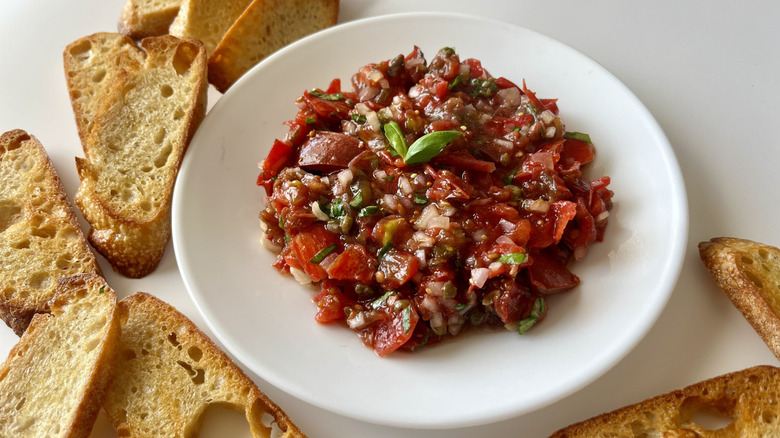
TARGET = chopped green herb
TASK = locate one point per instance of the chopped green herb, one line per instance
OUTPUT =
(483, 88)
(514, 258)
(368, 211)
(102, 289)
(359, 118)
(326, 96)
(357, 200)
(420, 199)
(577, 136)
(335, 209)
(383, 250)
(379, 302)
(511, 177)
(320, 256)
(460, 306)
(406, 319)
(458, 79)
(537, 310)
(310, 120)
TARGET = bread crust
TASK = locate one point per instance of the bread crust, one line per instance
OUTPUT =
(141, 129)
(749, 273)
(54, 380)
(145, 18)
(165, 352)
(749, 397)
(40, 236)
(264, 27)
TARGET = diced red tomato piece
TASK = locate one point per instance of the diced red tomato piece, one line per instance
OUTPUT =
(397, 266)
(576, 151)
(308, 243)
(512, 303)
(355, 263)
(334, 87)
(475, 68)
(277, 159)
(549, 274)
(328, 151)
(395, 329)
(564, 212)
(326, 108)
(330, 305)
(503, 82)
(467, 161)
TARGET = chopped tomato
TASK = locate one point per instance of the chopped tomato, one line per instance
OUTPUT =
(354, 263)
(395, 328)
(549, 274)
(397, 267)
(413, 237)
(330, 304)
(307, 244)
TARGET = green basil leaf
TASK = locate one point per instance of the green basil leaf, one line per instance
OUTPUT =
(577, 136)
(514, 258)
(428, 146)
(320, 256)
(396, 138)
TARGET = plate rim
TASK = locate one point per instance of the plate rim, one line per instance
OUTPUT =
(671, 275)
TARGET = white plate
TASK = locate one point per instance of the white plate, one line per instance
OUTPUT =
(267, 320)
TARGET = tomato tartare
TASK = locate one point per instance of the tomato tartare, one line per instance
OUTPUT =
(430, 197)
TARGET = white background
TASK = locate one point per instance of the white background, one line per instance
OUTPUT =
(708, 72)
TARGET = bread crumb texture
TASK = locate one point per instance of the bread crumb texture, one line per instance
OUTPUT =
(263, 28)
(747, 403)
(40, 237)
(144, 109)
(53, 382)
(169, 373)
(749, 273)
(145, 18)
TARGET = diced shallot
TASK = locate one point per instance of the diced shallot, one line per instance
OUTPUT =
(442, 222)
(479, 276)
(344, 178)
(300, 276)
(317, 211)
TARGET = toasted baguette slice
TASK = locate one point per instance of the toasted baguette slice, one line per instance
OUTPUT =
(263, 28)
(54, 380)
(135, 149)
(40, 237)
(145, 18)
(169, 372)
(91, 68)
(207, 20)
(749, 273)
(748, 397)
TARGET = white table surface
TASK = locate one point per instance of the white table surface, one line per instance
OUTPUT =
(707, 70)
